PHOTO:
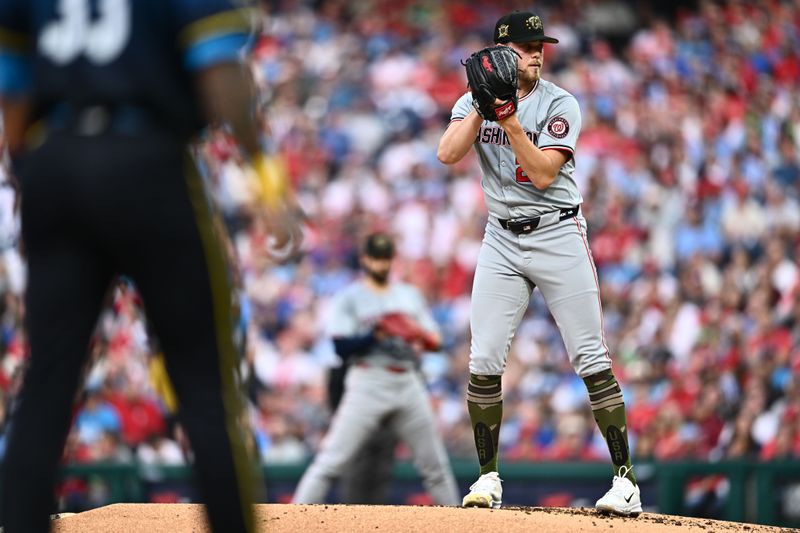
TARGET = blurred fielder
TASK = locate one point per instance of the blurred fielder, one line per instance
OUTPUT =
(380, 327)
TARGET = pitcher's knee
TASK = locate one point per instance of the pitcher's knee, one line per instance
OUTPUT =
(486, 365)
(584, 368)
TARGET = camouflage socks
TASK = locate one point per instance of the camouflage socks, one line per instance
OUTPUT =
(608, 408)
(485, 405)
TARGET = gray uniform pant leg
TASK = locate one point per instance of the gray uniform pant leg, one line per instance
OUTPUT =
(367, 478)
(571, 290)
(366, 401)
(500, 296)
(416, 425)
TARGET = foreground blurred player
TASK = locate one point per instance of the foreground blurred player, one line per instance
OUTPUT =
(100, 99)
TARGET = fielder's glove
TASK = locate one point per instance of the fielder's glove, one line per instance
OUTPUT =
(492, 75)
(406, 328)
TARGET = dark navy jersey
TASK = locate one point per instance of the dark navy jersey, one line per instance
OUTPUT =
(137, 53)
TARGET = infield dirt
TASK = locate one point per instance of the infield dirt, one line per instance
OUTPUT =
(284, 518)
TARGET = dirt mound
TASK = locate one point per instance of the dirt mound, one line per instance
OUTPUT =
(277, 518)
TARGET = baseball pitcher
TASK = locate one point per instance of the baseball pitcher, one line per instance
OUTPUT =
(378, 327)
(524, 130)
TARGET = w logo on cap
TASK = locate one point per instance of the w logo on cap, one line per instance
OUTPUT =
(520, 27)
(534, 23)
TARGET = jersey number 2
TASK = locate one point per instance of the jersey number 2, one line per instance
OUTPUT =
(75, 33)
(520, 175)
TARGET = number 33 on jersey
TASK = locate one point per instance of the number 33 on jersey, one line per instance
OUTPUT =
(82, 53)
(75, 32)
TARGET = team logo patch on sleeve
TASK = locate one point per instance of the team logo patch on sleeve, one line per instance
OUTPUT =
(558, 127)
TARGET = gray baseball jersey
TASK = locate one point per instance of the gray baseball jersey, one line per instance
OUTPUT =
(380, 387)
(554, 257)
(357, 308)
(552, 120)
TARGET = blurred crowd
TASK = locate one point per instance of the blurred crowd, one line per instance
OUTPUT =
(689, 162)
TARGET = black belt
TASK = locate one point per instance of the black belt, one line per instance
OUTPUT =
(528, 224)
(92, 120)
(390, 368)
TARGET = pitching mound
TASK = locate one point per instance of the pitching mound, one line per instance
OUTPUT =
(276, 518)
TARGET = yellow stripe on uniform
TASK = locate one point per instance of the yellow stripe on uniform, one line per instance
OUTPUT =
(223, 325)
(13, 40)
(273, 179)
(233, 21)
(162, 385)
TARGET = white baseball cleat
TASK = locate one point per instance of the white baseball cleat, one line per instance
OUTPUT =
(486, 492)
(623, 498)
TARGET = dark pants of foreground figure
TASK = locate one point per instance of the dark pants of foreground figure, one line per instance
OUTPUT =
(93, 208)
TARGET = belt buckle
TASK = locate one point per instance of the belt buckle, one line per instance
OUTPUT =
(93, 121)
(522, 225)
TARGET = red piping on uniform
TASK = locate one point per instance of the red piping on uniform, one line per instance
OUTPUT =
(559, 148)
(597, 284)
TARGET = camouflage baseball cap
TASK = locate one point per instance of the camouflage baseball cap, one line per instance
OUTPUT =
(520, 27)
(379, 246)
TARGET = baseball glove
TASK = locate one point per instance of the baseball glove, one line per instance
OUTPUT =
(406, 328)
(492, 74)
